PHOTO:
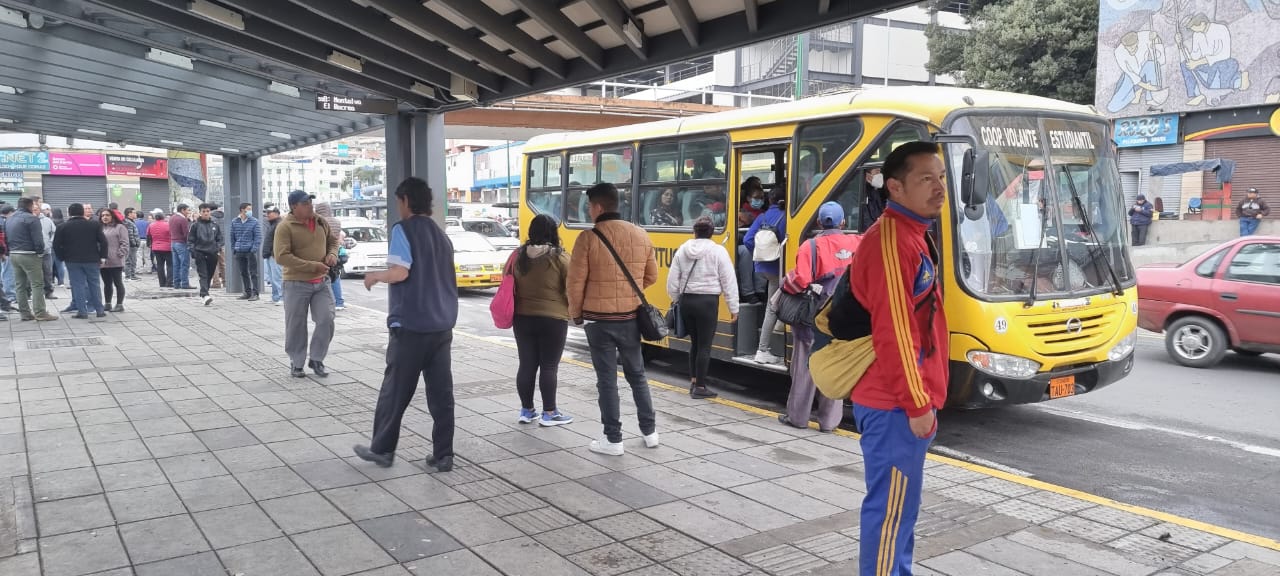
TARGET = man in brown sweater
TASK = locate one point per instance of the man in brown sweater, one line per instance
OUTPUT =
(601, 296)
(306, 250)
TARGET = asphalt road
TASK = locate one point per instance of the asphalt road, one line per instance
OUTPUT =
(1203, 444)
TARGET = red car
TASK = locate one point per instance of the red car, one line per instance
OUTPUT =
(1225, 299)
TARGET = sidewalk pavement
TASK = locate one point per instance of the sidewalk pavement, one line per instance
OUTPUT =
(170, 440)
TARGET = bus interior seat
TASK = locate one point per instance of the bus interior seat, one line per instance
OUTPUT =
(646, 206)
(583, 212)
(690, 209)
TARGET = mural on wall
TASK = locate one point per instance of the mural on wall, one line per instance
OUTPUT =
(186, 175)
(1187, 55)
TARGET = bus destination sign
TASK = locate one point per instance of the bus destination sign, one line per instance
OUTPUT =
(361, 105)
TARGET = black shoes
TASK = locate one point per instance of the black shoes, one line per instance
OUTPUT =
(701, 392)
(244, 297)
(81, 316)
(382, 460)
(253, 298)
(118, 308)
(102, 314)
(297, 372)
(444, 464)
(318, 367)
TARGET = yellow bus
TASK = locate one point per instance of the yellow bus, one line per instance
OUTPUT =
(1039, 287)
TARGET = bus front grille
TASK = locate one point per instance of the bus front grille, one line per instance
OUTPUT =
(1071, 332)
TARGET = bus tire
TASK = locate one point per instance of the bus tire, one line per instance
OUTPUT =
(1195, 341)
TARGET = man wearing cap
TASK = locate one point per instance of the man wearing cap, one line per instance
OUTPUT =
(819, 261)
(306, 250)
(1140, 219)
(1250, 211)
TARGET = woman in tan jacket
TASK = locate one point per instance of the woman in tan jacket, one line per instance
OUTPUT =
(541, 325)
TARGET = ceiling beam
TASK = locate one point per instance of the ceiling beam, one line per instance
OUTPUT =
(563, 29)
(375, 25)
(616, 16)
(432, 25)
(687, 19)
(751, 8)
(280, 45)
(493, 24)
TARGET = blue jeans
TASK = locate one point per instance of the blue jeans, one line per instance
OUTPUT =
(1222, 75)
(86, 286)
(275, 277)
(1126, 87)
(10, 288)
(1249, 226)
(337, 292)
(893, 461)
(609, 342)
(59, 270)
(181, 265)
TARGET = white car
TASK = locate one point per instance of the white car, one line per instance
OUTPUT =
(495, 233)
(366, 245)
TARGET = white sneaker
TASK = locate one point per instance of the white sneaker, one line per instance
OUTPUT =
(763, 357)
(339, 307)
(604, 446)
(208, 300)
(651, 440)
(277, 303)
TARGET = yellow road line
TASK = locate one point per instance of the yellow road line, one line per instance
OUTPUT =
(1029, 482)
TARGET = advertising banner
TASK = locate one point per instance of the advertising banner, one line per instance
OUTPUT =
(187, 175)
(1146, 131)
(11, 182)
(67, 164)
(137, 165)
(35, 161)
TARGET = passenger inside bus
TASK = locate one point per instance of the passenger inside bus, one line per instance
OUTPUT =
(712, 204)
(660, 208)
(753, 201)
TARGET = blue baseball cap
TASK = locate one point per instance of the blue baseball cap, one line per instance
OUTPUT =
(298, 197)
(831, 214)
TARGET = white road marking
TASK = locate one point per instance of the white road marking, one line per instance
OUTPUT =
(1131, 425)
(965, 456)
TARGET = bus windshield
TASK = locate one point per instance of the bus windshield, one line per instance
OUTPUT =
(1053, 223)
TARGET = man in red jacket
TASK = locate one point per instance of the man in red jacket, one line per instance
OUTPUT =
(897, 398)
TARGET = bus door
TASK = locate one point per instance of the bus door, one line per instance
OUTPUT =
(760, 168)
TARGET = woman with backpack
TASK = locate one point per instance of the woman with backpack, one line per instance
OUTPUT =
(700, 273)
(540, 268)
(764, 240)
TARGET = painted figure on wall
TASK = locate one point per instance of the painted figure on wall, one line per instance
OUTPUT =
(1208, 69)
(1140, 56)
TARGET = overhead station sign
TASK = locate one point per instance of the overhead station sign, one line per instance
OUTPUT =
(361, 105)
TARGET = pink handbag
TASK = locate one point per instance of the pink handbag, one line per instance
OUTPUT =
(503, 305)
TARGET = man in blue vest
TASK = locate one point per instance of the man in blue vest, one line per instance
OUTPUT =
(422, 308)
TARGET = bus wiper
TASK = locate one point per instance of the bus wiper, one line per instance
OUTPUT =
(1035, 256)
(1093, 236)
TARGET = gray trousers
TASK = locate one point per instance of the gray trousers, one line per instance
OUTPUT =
(609, 341)
(299, 298)
(770, 317)
(800, 400)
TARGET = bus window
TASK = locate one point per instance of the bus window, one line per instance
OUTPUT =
(661, 207)
(659, 162)
(820, 146)
(615, 166)
(582, 169)
(575, 206)
(702, 160)
(553, 171)
(543, 189)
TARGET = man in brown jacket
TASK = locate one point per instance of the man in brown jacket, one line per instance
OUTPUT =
(306, 250)
(601, 296)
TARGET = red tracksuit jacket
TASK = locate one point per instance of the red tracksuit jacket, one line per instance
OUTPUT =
(895, 279)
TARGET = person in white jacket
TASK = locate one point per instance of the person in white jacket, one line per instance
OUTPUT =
(700, 272)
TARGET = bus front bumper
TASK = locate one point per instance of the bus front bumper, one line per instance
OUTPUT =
(969, 386)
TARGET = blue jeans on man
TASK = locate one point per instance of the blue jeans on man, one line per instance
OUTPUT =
(1249, 226)
(181, 265)
(1126, 87)
(1220, 75)
(338, 302)
(10, 287)
(275, 277)
(86, 287)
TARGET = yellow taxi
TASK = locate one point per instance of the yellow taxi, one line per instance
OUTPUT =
(477, 263)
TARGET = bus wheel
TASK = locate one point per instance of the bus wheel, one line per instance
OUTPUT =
(1195, 341)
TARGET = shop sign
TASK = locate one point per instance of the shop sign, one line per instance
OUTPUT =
(63, 164)
(1146, 131)
(33, 160)
(136, 165)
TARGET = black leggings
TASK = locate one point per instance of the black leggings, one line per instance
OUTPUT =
(540, 342)
(112, 277)
(162, 260)
(700, 313)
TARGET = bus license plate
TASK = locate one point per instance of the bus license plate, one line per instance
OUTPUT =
(1064, 386)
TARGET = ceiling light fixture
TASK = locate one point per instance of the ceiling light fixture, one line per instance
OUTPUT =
(212, 124)
(8, 89)
(232, 150)
(88, 131)
(282, 135)
(423, 89)
(216, 13)
(634, 33)
(118, 108)
(346, 61)
(285, 89)
(175, 60)
(12, 17)
(8, 121)
(171, 142)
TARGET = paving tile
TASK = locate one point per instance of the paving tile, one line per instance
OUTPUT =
(82, 552)
(961, 562)
(830, 546)
(117, 452)
(422, 491)
(303, 512)
(568, 464)
(461, 563)
(322, 426)
(627, 490)
(144, 503)
(1027, 559)
(523, 473)
(521, 443)
(364, 501)
(665, 545)
(210, 421)
(1153, 550)
(162, 538)
(712, 472)
(272, 483)
(750, 465)
(540, 520)
(148, 411)
(226, 527)
(202, 564)
(513, 503)
(73, 514)
(471, 525)
(191, 467)
(697, 522)
(277, 431)
(743, 510)
(842, 495)
(248, 458)
(1183, 536)
(708, 562)
(791, 502)
(1241, 550)
(784, 560)
(580, 501)
(58, 421)
(161, 427)
(487, 488)
(327, 474)
(276, 557)
(573, 539)
(21, 565)
(1093, 555)
(41, 440)
(341, 550)
(408, 536)
(65, 484)
(610, 560)
(1087, 529)
(88, 416)
(212, 493)
(131, 475)
(627, 526)
(526, 556)
(74, 456)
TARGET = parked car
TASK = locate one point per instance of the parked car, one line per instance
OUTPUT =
(494, 232)
(477, 263)
(366, 244)
(1225, 299)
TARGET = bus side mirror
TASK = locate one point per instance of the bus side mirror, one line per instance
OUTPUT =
(975, 178)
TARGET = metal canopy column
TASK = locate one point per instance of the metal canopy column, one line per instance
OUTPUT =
(242, 179)
(415, 147)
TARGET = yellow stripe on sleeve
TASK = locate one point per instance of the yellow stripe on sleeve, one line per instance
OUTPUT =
(900, 309)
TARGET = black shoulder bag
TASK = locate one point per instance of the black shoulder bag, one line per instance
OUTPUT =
(800, 309)
(653, 327)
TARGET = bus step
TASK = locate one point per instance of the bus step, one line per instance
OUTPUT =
(751, 361)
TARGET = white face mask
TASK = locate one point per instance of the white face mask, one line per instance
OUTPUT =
(877, 181)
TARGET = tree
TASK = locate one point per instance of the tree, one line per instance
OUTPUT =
(365, 174)
(1041, 47)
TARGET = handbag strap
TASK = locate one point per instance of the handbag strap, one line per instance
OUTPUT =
(690, 276)
(635, 287)
(813, 259)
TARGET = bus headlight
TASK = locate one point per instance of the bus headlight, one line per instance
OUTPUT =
(1003, 364)
(1124, 347)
